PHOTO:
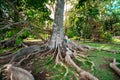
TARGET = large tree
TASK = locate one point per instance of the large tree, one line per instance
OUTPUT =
(57, 33)
(63, 51)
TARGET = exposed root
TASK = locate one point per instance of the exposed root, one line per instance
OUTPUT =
(111, 51)
(6, 59)
(24, 45)
(59, 60)
(7, 52)
(114, 67)
(62, 53)
(80, 59)
(55, 44)
(92, 66)
(76, 74)
(82, 47)
(87, 76)
(16, 73)
(81, 55)
(20, 53)
(50, 77)
(71, 62)
(84, 59)
(46, 53)
(23, 59)
(66, 70)
(62, 64)
(83, 74)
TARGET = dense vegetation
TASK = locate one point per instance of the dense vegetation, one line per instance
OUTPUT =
(94, 19)
(89, 19)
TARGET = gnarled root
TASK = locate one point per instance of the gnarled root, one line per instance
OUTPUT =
(20, 54)
(83, 74)
(62, 54)
(16, 73)
(114, 67)
(87, 76)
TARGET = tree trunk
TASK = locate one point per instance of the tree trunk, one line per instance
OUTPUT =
(63, 51)
(57, 33)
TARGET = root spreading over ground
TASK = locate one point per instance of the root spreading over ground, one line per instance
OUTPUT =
(63, 54)
(113, 65)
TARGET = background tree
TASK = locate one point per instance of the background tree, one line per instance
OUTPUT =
(90, 17)
(18, 13)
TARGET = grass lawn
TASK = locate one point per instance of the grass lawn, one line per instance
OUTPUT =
(47, 68)
(101, 60)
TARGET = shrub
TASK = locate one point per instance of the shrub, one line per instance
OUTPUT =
(108, 37)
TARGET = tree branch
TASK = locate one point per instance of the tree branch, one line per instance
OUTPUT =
(11, 5)
(45, 30)
(8, 26)
(33, 32)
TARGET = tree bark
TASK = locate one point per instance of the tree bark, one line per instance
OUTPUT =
(17, 73)
(57, 33)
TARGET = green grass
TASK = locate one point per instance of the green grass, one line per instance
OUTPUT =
(100, 58)
(56, 72)
(101, 69)
(110, 46)
(117, 41)
(3, 50)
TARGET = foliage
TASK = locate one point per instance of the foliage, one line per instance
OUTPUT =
(35, 12)
(70, 33)
(108, 37)
(86, 14)
(24, 35)
(18, 40)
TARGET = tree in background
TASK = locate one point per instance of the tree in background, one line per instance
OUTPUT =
(22, 19)
(94, 19)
